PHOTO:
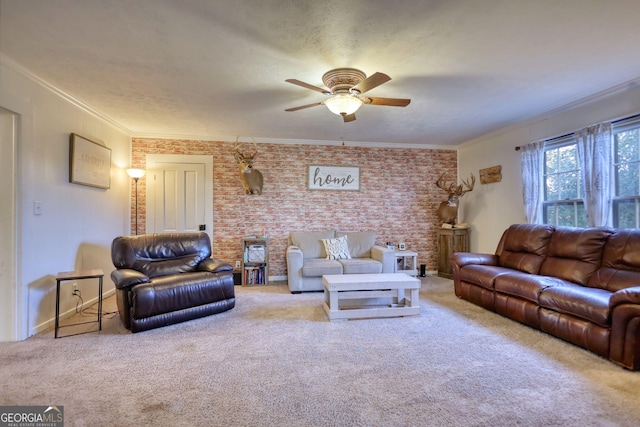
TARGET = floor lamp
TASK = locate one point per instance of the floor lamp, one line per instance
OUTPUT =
(136, 174)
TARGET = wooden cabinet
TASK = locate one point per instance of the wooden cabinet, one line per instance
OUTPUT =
(450, 240)
(255, 261)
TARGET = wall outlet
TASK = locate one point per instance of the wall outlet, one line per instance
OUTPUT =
(237, 264)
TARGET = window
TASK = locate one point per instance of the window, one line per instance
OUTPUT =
(563, 203)
(626, 169)
(562, 182)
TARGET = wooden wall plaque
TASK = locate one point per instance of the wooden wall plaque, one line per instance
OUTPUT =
(491, 175)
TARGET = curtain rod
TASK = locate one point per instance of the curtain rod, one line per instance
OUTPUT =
(613, 122)
(549, 139)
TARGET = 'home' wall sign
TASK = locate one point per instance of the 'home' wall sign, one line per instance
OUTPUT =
(346, 178)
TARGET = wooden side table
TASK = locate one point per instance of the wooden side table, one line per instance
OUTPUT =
(450, 240)
(78, 275)
(406, 262)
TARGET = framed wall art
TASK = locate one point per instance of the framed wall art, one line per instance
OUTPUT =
(345, 178)
(89, 162)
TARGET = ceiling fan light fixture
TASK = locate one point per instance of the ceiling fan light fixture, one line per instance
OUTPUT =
(346, 87)
(343, 104)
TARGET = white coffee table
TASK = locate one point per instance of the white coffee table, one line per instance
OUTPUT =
(357, 296)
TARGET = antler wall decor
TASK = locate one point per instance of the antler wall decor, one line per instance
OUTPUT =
(251, 178)
(448, 210)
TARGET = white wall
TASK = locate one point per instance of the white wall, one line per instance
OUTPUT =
(78, 222)
(491, 208)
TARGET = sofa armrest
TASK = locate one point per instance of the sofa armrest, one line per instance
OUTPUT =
(624, 342)
(294, 253)
(386, 256)
(625, 296)
(295, 260)
(214, 265)
(461, 259)
(124, 277)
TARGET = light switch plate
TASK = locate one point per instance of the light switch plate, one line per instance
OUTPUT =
(37, 207)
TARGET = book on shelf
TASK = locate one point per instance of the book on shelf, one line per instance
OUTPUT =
(254, 275)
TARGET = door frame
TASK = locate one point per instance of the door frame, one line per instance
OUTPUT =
(153, 159)
(14, 304)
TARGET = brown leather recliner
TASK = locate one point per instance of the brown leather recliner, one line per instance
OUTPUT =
(162, 279)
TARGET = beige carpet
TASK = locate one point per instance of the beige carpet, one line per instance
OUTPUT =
(275, 360)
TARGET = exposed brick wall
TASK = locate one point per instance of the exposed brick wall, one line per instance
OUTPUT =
(398, 198)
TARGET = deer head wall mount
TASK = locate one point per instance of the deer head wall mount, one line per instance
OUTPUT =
(448, 210)
(251, 178)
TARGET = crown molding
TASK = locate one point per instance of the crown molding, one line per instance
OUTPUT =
(598, 96)
(282, 141)
(356, 144)
(21, 70)
(13, 65)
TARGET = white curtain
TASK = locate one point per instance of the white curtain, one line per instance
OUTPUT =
(532, 161)
(594, 155)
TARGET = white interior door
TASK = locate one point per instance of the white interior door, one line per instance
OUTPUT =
(179, 194)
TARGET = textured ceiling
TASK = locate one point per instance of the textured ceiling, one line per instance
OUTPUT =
(217, 69)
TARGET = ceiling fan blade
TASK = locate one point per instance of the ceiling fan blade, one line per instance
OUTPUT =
(349, 117)
(372, 81)
(393, 102)
(304, 106)
(308, 86)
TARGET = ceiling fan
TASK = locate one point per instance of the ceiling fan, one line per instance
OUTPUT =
(346, 87)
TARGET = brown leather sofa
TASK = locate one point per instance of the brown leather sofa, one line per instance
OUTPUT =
(579, 284)
(162, 279)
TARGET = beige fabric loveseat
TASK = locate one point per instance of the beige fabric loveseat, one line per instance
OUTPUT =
(307, 258)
